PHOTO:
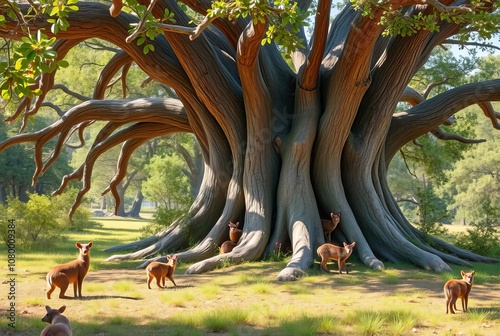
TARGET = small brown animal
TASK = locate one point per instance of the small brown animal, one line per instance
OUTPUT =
(227, 246)
(72, 272)
(234, 232)
(454, 289)
(59, 324)
(330, 224)
(330, 251)
(160, 271)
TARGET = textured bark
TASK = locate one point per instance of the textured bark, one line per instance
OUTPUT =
(281, 148)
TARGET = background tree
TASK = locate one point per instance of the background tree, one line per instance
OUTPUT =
(282, 146)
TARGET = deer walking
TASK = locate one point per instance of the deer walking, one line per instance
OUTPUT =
(161, 271)
(72, 272)
(59, 324)
(330, 251)
(454, 289)
(330, 224)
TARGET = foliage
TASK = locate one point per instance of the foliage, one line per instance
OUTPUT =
(431, 211)
(82, 217)
(284, 20)
(163, 218)
(484, 238)
(43, 219)
(398, 21)
(36, 221)
(166, 183)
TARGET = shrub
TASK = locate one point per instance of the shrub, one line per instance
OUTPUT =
(162, 219)
(36, 221)
(81, 218)
(483, 238)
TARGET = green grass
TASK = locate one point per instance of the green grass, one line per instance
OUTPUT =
(246, 299)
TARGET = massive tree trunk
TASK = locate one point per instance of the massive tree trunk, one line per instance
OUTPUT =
(281, 147)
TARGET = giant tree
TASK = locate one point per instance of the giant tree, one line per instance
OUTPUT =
(284, 143)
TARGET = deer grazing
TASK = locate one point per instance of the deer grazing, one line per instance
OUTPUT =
(330, 251)
(161, 271)
(454, 289)
(59, 324)
(72, 272)
(234, 236)
(330, 224)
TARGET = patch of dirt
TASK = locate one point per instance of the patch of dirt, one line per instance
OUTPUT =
(123, 292)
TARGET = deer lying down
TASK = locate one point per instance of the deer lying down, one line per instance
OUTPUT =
(454, 289)
(72, 272)
(161, 271)
(330, 251)
(59, 324)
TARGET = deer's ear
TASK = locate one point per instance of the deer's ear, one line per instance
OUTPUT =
(62, 309)
(89, 244)
(78, 245)
(47, 308)
(462, 273)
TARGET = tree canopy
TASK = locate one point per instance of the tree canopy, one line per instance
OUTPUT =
(291, 126)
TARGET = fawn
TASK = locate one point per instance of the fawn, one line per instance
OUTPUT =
(160, 271)
(454, 289)
(330, 251)
(234, 232)
(330, 224)
(59, 324)
(72, 272)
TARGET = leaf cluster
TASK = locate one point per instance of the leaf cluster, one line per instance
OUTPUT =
(148, 26)
(284, 20)
(400, 21)
(33, 56)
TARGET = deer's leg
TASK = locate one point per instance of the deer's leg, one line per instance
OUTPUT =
(63, 283)
(453, 304)
(150, 278)
(51, 289)
(171, 278)
(158, 278)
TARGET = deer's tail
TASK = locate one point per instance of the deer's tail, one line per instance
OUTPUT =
(49, 279)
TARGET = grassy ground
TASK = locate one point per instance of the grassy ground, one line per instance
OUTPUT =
(243, 299)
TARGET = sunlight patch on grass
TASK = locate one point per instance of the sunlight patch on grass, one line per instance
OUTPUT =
(261, 288)
(391, 276)
(38, 301)
(223, 319)
(366, 321)
(93, 287)
(401, 321)
(180, 299)
(124, 286)
(476, 315)
(210, 290)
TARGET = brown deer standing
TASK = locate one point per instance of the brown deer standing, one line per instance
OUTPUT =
(59, 324)
(330, 224)
(454, 289)
(160, 271)
(72, 272)
(330, 251)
